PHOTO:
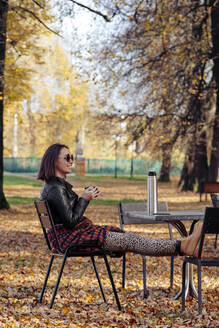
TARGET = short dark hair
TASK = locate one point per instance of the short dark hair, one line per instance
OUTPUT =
(47, 166)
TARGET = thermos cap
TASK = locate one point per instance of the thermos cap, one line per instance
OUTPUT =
(151, 173)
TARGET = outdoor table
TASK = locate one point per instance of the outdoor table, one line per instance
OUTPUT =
(175, 218)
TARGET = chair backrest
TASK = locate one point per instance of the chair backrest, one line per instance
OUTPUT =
(136, 206)
(46, 222)
(210, 225)
(215, 200)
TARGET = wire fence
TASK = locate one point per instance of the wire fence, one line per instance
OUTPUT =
(95, 166)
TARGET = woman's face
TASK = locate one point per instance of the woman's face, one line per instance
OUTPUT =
(63, 163)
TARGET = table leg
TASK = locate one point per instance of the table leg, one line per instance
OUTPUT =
(179, 294)
(190, 289)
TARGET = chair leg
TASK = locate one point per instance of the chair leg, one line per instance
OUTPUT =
(58, 281)
(98, 278)
(123, 270)
(215, 242)
(172, 257)
(199, 290)
(183, 285)
(144, 277)
(112, 282)
(171, 271)
(46, 279)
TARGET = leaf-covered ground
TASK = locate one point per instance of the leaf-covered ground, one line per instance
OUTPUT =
(24, 260)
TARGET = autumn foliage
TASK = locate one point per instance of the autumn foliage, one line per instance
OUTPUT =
(24, 260)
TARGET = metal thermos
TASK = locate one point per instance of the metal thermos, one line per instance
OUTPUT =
(152, 193)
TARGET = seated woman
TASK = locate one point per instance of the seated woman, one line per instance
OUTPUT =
(73, 228)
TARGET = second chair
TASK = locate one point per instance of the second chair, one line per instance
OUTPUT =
(210, 226)
(215, 202)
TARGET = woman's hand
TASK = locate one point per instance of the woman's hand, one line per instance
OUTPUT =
(90, 193)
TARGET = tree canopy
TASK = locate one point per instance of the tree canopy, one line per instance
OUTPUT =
(158, 72)
(161, 60)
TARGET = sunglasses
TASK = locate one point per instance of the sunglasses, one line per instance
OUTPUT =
(69, 157)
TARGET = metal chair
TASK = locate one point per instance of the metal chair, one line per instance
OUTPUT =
(210, 226)
(86, 250)
(215, 202)
(124, 220)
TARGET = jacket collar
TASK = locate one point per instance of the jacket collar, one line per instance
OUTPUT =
(61, 181)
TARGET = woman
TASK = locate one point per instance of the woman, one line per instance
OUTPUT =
(73, 228)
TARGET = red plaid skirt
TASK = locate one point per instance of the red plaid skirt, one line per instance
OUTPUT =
(84, 231)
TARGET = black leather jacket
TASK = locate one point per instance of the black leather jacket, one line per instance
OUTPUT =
(65, 206)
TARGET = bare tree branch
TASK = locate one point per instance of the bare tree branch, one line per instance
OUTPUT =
(105, 17)
(38, 4)
(36, 17)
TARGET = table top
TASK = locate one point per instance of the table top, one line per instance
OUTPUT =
(140, 217)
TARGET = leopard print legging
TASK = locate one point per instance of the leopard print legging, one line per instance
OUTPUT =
(131, 242)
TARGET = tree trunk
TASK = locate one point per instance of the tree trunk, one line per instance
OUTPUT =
(187, 179)
(213, 169)
(201, 162)
(166, 162)
(31, 123)
(3, 21)
(195, 168)
(214, 162)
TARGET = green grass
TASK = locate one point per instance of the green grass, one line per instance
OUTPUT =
(112, 201)
(20, 181)
(23, 181)
(107, 178)
(136, 178)
(16, 200)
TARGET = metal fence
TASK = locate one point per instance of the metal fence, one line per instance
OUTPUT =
(95, 166)
(21, 164)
